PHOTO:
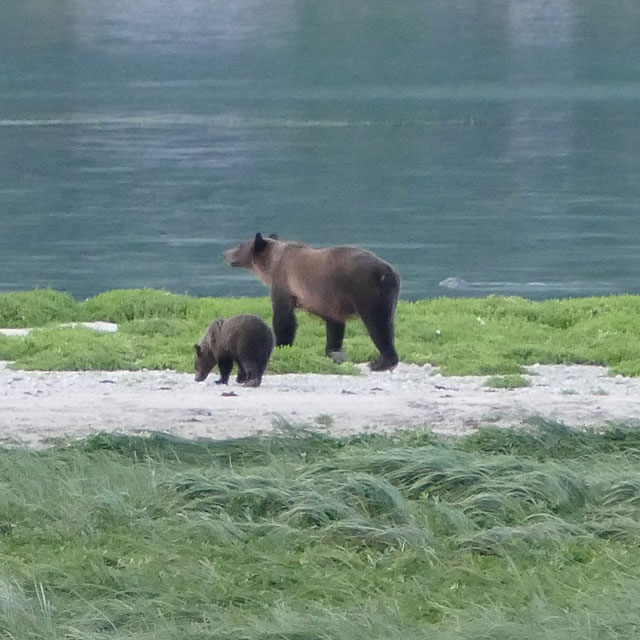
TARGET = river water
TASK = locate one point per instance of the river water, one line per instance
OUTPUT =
(492, 141)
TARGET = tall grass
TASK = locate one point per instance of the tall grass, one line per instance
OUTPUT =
(494, 336)
(302, 536)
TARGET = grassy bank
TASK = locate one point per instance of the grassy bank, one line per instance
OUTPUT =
(489, 336)
(501, 535)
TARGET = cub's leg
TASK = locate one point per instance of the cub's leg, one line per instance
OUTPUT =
(225, 365)
(242, 375)
(254, 374)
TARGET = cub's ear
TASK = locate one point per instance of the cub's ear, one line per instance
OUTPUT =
(198, 348)
(273, 236)
(259, 243)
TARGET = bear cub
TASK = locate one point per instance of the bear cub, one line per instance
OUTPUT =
(245, 339)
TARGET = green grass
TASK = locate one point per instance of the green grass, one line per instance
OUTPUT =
(494, 336)
(503, 534)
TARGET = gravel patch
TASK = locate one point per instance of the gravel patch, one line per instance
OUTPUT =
(38, 406)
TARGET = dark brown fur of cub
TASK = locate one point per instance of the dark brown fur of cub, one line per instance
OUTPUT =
(333, 283)
(245, 339)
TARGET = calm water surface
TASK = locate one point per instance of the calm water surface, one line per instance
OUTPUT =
(493, 141)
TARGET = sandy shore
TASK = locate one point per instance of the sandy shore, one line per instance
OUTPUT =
(38, 406)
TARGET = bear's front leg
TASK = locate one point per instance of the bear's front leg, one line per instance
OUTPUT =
(284, 318)
(335, 336)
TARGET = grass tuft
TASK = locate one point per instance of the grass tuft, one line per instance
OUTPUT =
(302, 536)
(507, 382)
(548, 440)
(35, 308)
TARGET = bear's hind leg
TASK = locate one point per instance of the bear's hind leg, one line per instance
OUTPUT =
(379, 323)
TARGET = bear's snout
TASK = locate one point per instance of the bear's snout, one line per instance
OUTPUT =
(231, 257)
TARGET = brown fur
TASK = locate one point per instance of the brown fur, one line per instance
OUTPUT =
(245, 339)
(333, 283)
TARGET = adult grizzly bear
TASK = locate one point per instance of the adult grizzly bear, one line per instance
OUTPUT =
(332, 283)
(245, 339)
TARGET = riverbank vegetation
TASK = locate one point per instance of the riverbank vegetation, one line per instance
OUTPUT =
(486, 336)
(530, 534)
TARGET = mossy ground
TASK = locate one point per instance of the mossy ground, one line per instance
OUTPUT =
(486, 336)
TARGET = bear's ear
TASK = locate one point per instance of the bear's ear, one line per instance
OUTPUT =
(198, 348)
(259, 243)
(273, 236)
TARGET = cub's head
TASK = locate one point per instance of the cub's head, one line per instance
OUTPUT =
(250, 254)
(203, 362)
(205, 356)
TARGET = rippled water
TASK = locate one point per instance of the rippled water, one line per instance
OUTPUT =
(493, 142)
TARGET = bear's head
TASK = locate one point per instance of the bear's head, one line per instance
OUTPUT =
(250, 253)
